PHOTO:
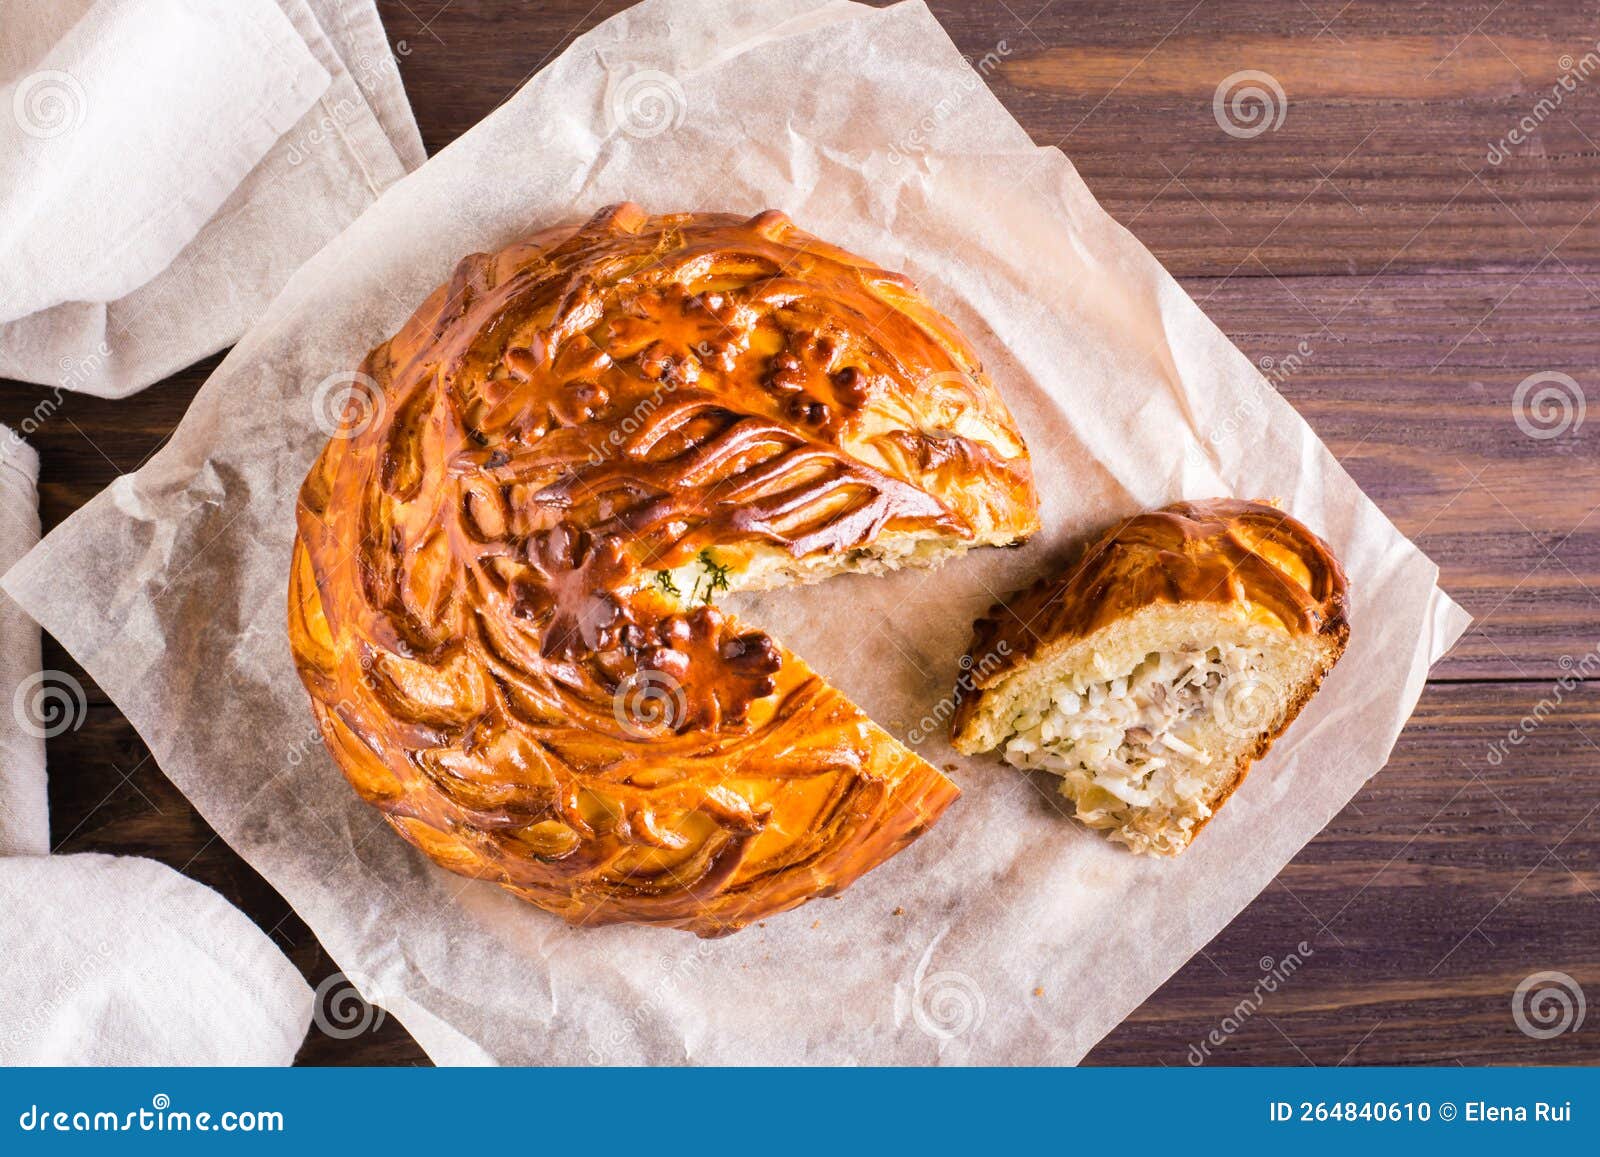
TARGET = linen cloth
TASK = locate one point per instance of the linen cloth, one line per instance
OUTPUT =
(165, 165)
(110, 960)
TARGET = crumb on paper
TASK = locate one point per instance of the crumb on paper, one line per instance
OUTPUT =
(816, 923)
(899, 912)
(1038, 992)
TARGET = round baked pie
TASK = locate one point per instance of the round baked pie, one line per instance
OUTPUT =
(503, 598)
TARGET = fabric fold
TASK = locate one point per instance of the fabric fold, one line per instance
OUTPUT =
(24, 805)
(119, 960)
(151, 206)
(186, 95)
(110, 960)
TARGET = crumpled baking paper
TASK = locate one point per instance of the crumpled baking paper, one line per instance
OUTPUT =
(1007, 934)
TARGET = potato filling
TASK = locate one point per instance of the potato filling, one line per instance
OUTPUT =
(1139, 741)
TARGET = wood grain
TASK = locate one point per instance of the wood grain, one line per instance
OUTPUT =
(1381, 161)
(1402, 286)
(1411, 382)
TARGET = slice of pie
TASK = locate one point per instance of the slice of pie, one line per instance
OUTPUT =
(1151, 674)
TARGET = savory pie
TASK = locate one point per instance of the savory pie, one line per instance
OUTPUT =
(1150, 675)
(504, 586)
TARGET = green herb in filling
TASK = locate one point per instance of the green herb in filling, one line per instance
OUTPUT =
(715, 578)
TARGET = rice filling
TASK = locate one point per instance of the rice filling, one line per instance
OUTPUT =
(1137, 741)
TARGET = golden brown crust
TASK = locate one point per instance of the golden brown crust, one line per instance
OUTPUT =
(1241, 767)
(474, 604)
(1249, 557)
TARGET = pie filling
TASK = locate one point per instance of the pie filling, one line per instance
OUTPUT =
(1155, 743)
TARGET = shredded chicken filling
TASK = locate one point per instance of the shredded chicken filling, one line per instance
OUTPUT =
(1132, 741)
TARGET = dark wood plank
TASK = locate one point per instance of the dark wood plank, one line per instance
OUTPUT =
(1411, 381)
(1382, 159)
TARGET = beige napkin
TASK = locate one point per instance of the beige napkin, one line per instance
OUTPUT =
(165, 165)
(110, 960)
(24, 807)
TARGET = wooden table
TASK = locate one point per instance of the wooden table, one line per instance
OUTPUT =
(1400, 285)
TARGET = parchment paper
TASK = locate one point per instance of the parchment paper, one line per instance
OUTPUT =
(1006, 934)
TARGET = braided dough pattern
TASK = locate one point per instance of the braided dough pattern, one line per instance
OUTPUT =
(477, 603)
